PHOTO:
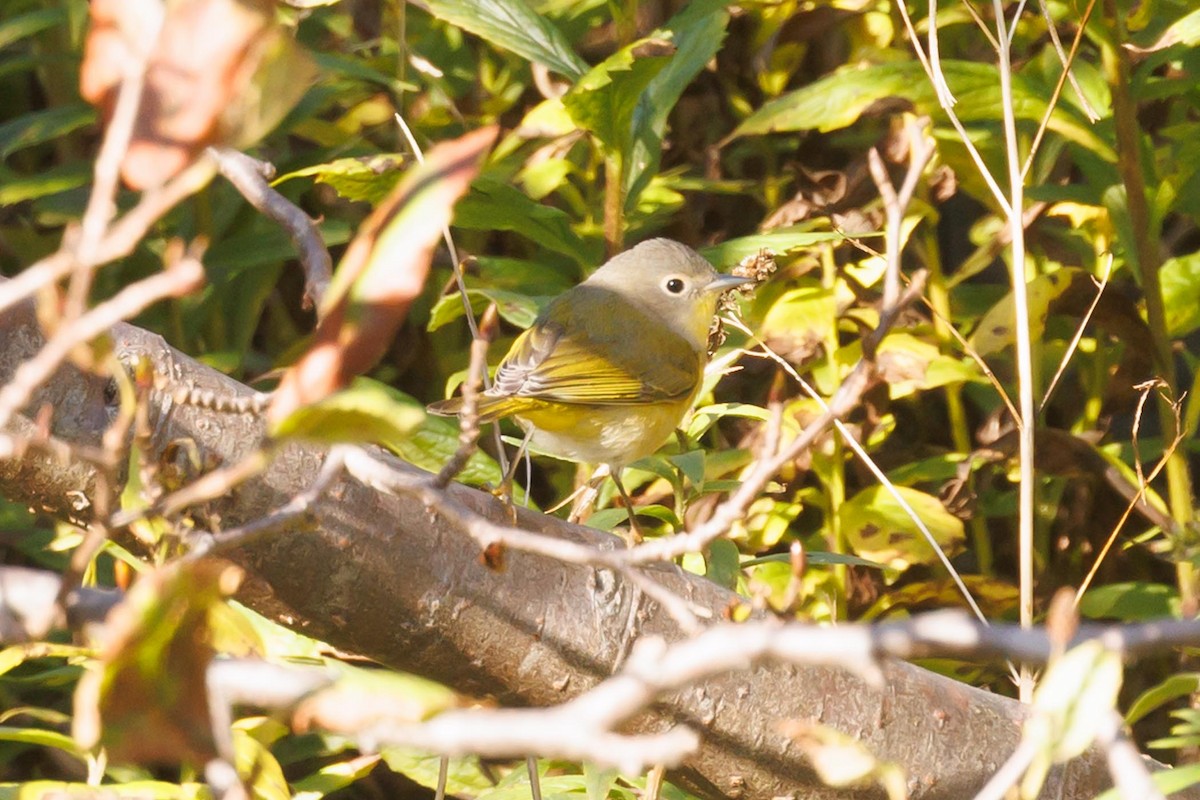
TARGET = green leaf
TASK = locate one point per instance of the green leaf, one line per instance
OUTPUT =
(333, 777)
(21, 26)
(880, 529)
(691, 464)
(52, 180)
(995, 331)
(365, 412)
(838, 100)
(705, 417)
(36, 127)
(518, 309)
(41, 738)
(819, 557)
(464, 778)
(149, 790)
(1069, 704)
(367, 178)
(1130, 602)
(598, 782)
(492, 205)
(1167, 781)
(780, 241)
(908, 364)
(608, 518)
(1180, 278)
(1154, 698)
(434, 442)
(697, 33)
(603, 101)
(722, 565)
(513, 25)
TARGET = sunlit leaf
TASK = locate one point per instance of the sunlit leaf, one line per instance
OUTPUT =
(513, 25)
(365, 412)
(603, 100)
(367, 179)
(781, 241)
(838, 100)
(1154, 698)
(880, 529)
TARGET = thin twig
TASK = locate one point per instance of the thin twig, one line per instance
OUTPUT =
(1079, 329)
(249, 176)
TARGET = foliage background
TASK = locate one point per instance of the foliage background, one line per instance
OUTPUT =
(750, 129)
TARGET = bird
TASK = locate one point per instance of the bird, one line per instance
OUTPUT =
(609, 368)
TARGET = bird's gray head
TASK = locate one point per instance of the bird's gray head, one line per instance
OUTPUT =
(670, 282)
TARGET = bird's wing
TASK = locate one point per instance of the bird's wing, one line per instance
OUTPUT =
(549, 364)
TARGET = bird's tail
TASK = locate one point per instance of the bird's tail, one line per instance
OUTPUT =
(488, 408)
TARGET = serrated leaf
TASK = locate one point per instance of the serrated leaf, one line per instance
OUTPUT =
(838, 100)
(365, 412)
(492, 205)
(603, 101)
(367, 178)
(879, 528)
(513, 25)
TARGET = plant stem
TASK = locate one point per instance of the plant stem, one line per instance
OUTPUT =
(1144, 248)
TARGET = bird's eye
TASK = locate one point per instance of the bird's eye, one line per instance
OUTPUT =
(674, 285)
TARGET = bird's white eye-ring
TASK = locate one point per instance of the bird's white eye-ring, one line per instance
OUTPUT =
(674, 285)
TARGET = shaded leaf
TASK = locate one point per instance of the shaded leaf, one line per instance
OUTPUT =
(36, 127)
(1154, 698)
(492, 205)
(1129, 602)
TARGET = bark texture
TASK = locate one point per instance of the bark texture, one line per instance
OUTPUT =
(382, 576)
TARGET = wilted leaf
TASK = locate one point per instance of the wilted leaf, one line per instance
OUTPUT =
(995, 331)
(146, 700)
(217, 72)
(382, 272)
(995, 597)
(513, 25)
(878, 527)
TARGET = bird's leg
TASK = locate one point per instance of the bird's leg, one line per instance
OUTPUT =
(635, 530)
(585, 495)
(654, 782)
(504, 490)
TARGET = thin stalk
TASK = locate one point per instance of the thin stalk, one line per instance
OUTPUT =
(614, 203)
(1145, 249)
(960, 428)
(1024, 344)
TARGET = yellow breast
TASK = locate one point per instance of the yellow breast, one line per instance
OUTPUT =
(615, 435)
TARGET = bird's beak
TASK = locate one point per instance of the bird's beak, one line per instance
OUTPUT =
(723, 283)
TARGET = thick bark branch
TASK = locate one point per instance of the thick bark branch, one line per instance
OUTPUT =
(381, 575)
